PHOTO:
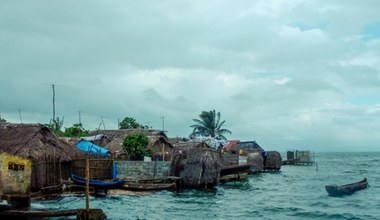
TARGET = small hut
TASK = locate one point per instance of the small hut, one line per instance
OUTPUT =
(230, 155)
(197, 164)
(272, 161)
(247, 147)
(256, 160)
(49, 155)
(158, 144)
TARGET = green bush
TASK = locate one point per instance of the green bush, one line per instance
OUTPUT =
(136, 146)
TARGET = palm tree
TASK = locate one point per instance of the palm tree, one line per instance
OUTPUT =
(209, 125)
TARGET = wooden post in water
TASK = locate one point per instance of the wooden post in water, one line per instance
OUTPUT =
(87, 186)
(163, 152)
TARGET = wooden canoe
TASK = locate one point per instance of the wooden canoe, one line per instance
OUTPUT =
(139, 186)
(348, 189)
(166, 183)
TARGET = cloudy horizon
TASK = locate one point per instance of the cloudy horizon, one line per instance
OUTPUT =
(289, 74)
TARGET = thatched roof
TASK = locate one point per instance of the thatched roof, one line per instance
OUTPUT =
(257, 160)
(196, 163)
(157, 140)
(175, 140)
(35, 142)
(273, 160)
(202, 168)
(190, 145)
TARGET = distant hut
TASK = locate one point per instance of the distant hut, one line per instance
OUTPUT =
(232, 146)
(272, 161)
(49, 155)
(256, 160)
(230, 155)
(159, 146)
(247, 147)
(197, 164)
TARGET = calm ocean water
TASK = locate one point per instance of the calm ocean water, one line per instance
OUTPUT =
(296, 192)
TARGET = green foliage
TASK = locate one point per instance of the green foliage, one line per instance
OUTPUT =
(136, 145)
(131, 123)
(209, 125)
(56, 126)
(76, 130)
(2, 120)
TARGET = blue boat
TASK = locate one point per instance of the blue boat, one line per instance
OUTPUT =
(99, 184)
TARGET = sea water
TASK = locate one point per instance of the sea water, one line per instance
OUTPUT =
(295, 192)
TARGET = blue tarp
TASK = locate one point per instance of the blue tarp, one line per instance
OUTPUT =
(92, 149)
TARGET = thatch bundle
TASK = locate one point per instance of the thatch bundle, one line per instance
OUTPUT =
(179, 155)
(197, 164)
(273, 160)
(257, 160)
(202, 168)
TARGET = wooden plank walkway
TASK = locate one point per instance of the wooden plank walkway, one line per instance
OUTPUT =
(94, 213)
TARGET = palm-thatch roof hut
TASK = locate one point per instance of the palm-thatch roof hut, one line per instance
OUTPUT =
(256, 160)
(272, 161)
(247, 147)
(197, 164)
(231, 153)
(158, 144)
(49, 155)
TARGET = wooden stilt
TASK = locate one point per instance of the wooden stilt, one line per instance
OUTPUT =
(87, 187)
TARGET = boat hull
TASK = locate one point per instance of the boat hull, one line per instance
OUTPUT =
(167, 183)
(99, 184)
(348, 189)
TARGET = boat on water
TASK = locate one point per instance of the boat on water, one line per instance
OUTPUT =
(348, 189)
(167, 183)
(136, 186)
(99, 184)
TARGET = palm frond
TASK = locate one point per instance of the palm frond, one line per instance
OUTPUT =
(209, 124)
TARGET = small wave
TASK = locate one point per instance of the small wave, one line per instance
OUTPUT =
(325, 215)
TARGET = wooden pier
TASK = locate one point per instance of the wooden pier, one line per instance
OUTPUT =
(298, 158)
(298, 162)
(81, 214)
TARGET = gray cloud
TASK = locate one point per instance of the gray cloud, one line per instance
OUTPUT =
(288, 74)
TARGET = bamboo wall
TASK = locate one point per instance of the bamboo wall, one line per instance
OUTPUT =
(99, 168)
(46, 174)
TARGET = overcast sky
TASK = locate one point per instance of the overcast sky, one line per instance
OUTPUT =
(291, 74)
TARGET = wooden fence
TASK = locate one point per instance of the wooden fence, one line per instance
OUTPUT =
(46, 174)
(51, 173)
(99, 168)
